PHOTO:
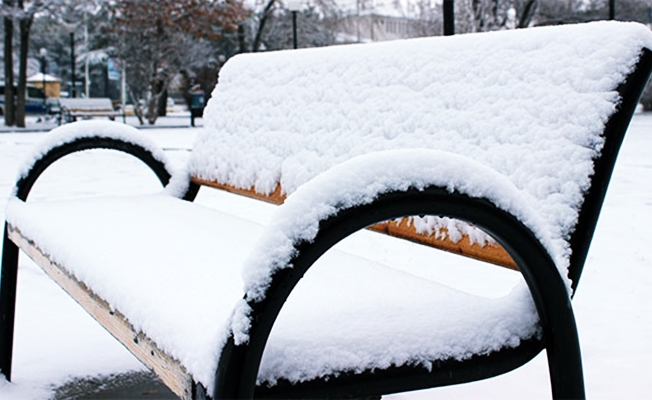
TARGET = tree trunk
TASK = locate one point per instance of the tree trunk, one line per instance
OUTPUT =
(137, 109)
(158, 87)
(528, 13)
(151, 114)
(162, 99)
(263, 19)
(10, 108)
(25, 26)
(241, 38)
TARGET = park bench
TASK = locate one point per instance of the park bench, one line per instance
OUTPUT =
(73, 108)
(503, 142)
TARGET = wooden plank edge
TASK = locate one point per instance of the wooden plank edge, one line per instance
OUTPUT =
(493, 254)
(167, 368)
(275, 197)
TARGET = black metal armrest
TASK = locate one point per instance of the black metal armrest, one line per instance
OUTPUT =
(88, 141)
(238, 367)
(66, 140)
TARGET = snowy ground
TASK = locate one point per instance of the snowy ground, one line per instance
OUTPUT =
(35, 123)
(56, 342)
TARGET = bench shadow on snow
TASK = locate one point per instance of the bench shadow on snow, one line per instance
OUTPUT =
(131, 385)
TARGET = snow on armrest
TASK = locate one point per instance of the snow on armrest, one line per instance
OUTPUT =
(360, 181)
(65, 135)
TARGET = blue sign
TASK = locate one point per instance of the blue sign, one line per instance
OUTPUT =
(113, 67)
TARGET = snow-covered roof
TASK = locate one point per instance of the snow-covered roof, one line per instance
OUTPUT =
(529, 104)
(39, 78)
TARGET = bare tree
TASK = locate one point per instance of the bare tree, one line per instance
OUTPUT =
(261, 18)
(153, 37)
(24, 12)
(10, 116)
(488, 15)
(269, 26)
(428, 19)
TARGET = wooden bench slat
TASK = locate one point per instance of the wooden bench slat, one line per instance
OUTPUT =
(490, 253)
(275, 197)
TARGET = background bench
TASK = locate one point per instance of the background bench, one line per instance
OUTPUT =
(292, 148)
(73, 108)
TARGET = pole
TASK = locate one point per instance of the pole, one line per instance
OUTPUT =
(123, 90)
(449, 17)
(294, 28)
(86, 66)
(357, 20)
(43, 58)
(43, 78)
(612, 10)
(72, 63)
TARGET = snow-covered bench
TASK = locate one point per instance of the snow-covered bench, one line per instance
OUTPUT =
(514, 132)
(72, 108)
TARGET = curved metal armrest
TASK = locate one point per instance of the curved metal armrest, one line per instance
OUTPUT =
(347, 199)
(59, 143)
(88, 135)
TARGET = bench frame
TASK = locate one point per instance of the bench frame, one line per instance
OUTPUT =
(70, 114)
(238, 366)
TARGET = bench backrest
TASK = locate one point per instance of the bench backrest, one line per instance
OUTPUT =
(88, 104)
(531, 104)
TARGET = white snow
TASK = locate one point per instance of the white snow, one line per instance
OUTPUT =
(566, 132)
(106, 129)
(172, 269)
(613, 302)
(86, 129)
(40, 77)
(359, 181)
(529, 104)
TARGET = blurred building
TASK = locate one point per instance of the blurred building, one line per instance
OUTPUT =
(52, 84)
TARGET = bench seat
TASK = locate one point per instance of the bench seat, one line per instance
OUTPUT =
(355, 315)
(71, 108)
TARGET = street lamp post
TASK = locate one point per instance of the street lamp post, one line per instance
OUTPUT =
(294, 6)
(43, 53)
(294, 28)
(449, 17)
(72, 64)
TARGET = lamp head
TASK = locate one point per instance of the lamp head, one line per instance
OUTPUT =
(294, 5)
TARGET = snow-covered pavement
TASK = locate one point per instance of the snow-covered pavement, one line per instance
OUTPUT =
(57, 342)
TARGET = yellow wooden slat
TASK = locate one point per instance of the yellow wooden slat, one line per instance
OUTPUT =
(494, 254)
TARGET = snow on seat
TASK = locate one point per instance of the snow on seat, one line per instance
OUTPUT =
(168, 268)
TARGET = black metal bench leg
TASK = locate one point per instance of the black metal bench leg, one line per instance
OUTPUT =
(565, 360)
(8, 280)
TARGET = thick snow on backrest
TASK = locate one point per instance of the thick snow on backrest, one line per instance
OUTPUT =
(530, 104)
